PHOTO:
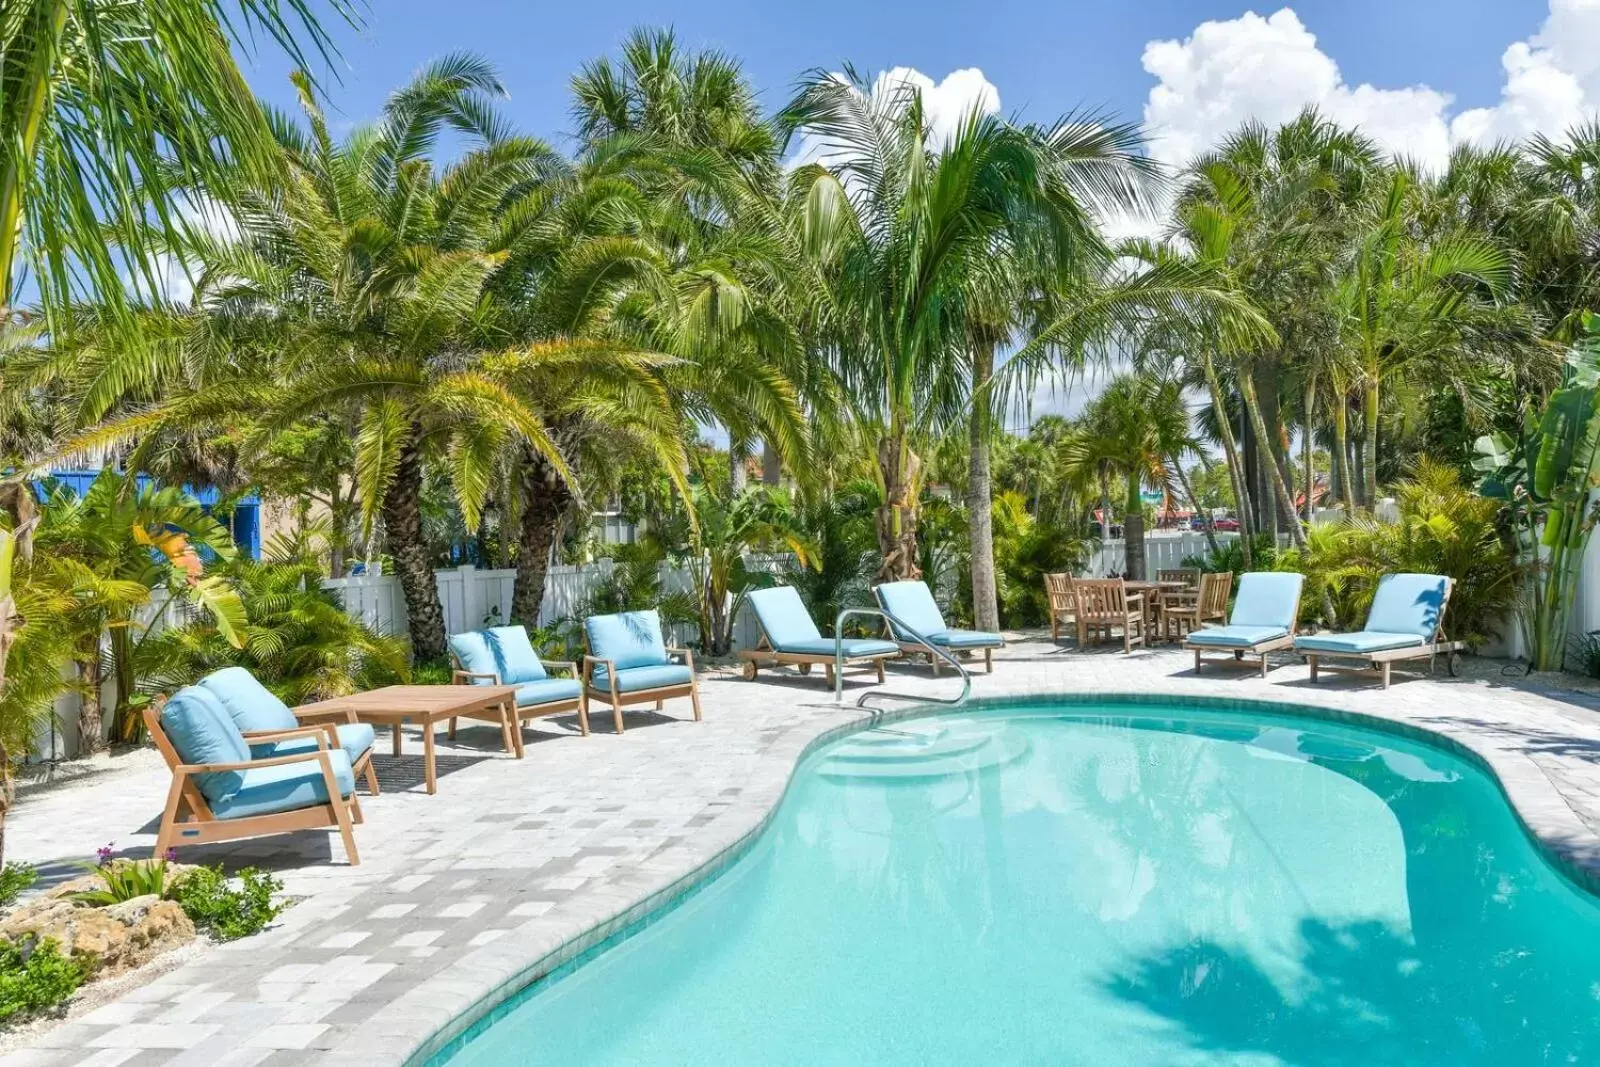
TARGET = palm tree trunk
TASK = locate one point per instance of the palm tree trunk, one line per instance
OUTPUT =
(1369, 448)
(1273, 474)
(897, 518)
(771, 465)
(1305, 446)
(1133, 529)
(545, 498)
(980, 490)
(738, 475)
(91, 709)
(402, 523)
(1230, 451)
(1194, 505)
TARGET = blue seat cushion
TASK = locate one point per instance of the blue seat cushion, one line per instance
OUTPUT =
(853, 646)
(1407, 604)
(355, 739)
(966, 639)
(913, 604)
(201, 731)
(784, 618)
(286, 787)
(633, 679)
(1267, 598)
(251, 705)
(548, 690)
(629, 639)
(1232, 636)
(500, 650)
(1358, 642)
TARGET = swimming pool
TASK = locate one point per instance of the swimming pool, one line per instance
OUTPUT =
(1116, 884)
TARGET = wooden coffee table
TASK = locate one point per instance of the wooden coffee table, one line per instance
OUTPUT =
(426, 705)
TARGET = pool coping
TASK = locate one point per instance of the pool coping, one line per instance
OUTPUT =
(440, 1011)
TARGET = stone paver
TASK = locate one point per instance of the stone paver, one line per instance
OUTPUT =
(515, 865)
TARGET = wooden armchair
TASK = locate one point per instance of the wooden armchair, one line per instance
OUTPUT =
(503, 655)
(1104, 605)
(1184, 613)
(1063, 603)
(627, 662)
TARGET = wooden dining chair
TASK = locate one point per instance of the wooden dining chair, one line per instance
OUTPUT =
(1184, 613)
(1063, 603)
(1189, 576)
(1104, 605)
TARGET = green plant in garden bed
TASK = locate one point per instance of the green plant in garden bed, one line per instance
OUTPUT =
(15, 880)
(34, 977)
(125, 880)
(226, 911)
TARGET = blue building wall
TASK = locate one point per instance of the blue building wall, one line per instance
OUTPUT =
(244, 523)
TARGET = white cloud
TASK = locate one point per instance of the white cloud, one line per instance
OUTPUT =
(1268, 69)
(946, 103)
(1552, 79)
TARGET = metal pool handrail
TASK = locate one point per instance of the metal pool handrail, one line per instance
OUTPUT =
(894, 626)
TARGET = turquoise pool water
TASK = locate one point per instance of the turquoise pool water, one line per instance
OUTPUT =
(1114, 885)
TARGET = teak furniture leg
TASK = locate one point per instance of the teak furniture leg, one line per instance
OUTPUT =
(396, 734)
(1312, 660)
(427, 756)
(879, 663)
(583, 711)
(694, 697)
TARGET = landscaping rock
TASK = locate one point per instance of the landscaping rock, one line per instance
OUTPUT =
(111, 939)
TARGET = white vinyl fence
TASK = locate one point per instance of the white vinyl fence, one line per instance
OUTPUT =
(1162, 550)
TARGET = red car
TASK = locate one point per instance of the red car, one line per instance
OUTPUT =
(1226, 525)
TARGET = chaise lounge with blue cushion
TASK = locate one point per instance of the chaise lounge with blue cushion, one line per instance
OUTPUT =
(227, 785)
(627, 661)
(913, 604)
(503, 655)
(1406, 621)
(1263, 619)
(788, 635)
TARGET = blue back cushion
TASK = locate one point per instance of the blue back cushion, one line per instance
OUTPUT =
(251, 705)
(630, 639)
(502, 650)
(913, 604)
(783, 616)
(1267, 598)
(201, 730)
(1407, 604)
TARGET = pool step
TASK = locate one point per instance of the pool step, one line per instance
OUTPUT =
(924, 751)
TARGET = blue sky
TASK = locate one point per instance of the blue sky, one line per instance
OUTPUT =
(1043, 57)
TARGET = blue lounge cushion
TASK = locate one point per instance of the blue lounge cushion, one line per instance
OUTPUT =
(853, 646)
(633, 679)
(1359, 642)
(201, 731)
(1407, 604)
(500, 650)
(628, 639)
(251, 705)
(913, 604)
(966, 639)
(1233, 636)
(355, 740)
(547, 691)
(784, 618)
(286, 787)
(1267, 598)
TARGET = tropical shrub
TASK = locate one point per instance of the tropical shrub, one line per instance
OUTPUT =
(844, 556)
(228, 909)
(34, 977)
(299, 640)
(125, 880)
(15, 880)
(1025, 550)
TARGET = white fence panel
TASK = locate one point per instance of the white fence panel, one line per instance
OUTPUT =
(1161, 551)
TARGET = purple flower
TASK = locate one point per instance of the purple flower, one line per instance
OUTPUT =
(170, 855)
(104, 852)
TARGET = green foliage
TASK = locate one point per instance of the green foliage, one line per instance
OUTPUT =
(1229, 555)
(838, 526)
(299, 640)
(34, 978)
(229, 909)
(1586, 651)
(1025, 550)
(15, 880)
(126, 879)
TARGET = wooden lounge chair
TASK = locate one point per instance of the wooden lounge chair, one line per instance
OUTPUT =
(1104, 604)
(1183, 613)
(1405, 622)
(220, 792)
(258, 712)
(913, 604)
(1063, 603)
(788, 635)
(503, 655)
(1263, 619)
(627, 662)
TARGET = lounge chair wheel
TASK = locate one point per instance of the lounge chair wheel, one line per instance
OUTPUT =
(805, 668)
(1453, 664)
(749, 670)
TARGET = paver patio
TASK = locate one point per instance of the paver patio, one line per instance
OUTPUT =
(460, 893)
